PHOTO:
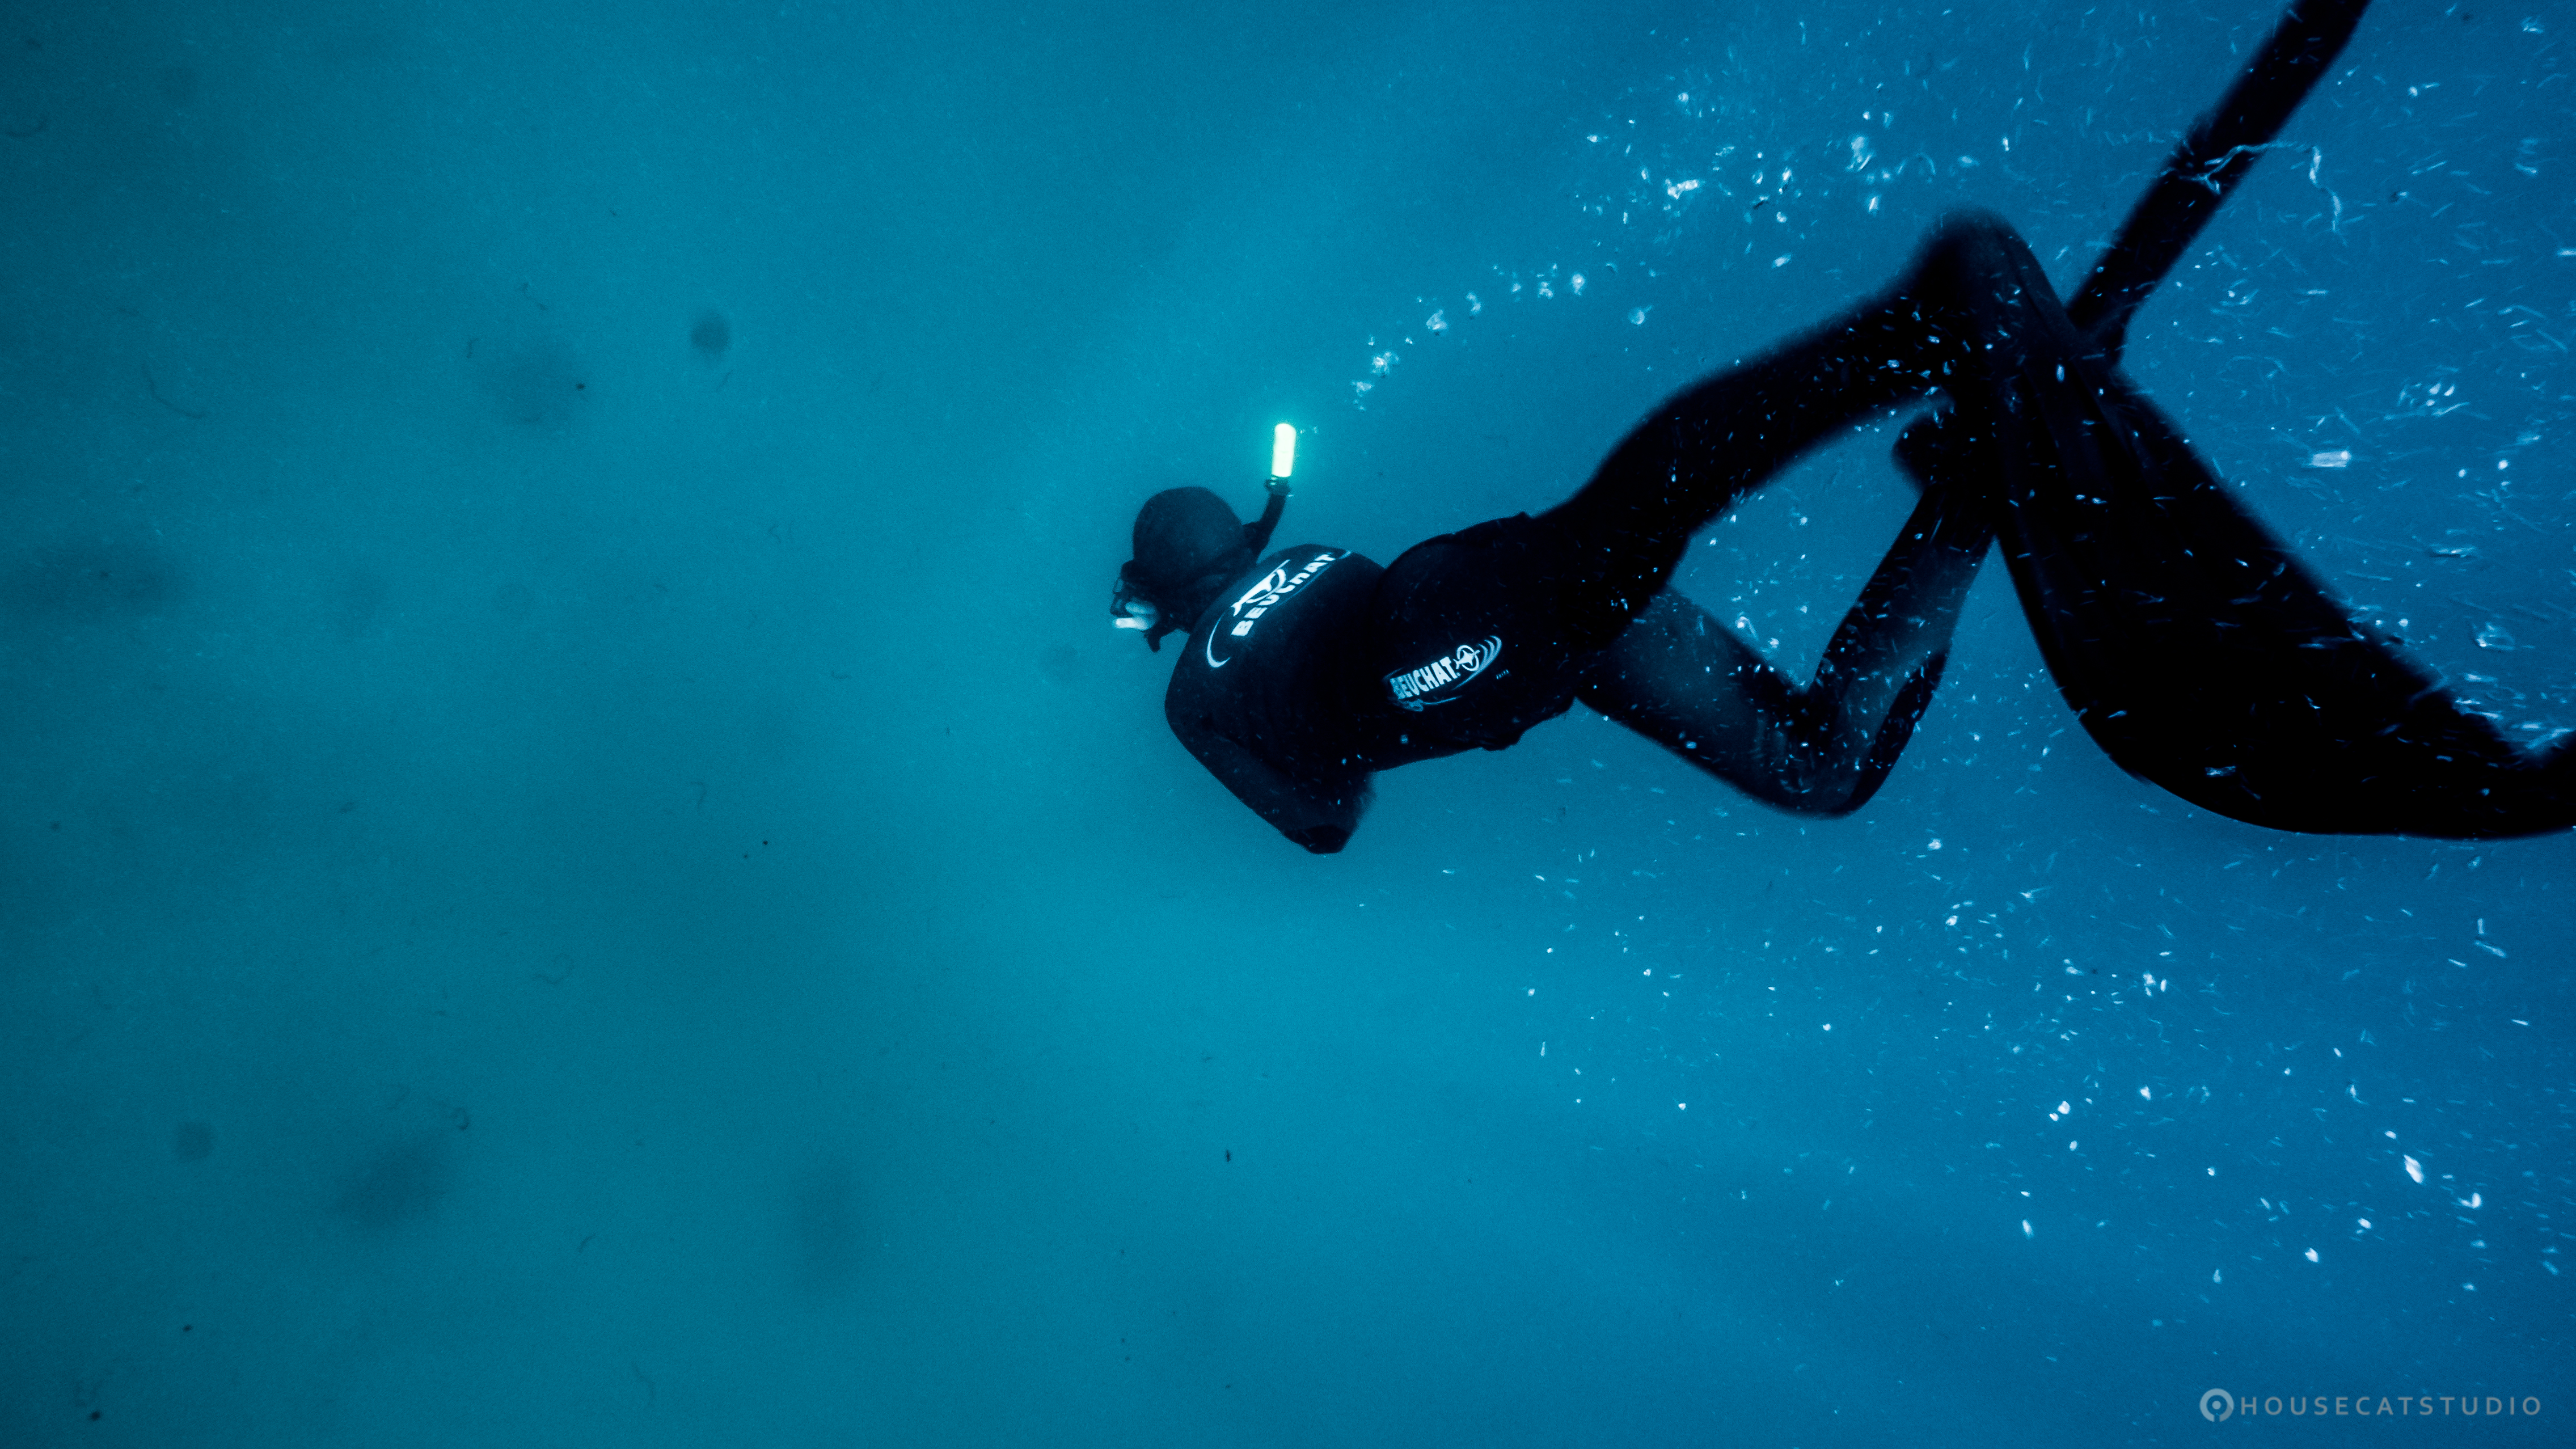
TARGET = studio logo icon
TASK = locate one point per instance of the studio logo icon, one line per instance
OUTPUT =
(2218, 1406)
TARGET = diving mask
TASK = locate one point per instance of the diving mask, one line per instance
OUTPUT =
(1129, 609)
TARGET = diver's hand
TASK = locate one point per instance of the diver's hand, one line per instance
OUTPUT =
(1276, 487)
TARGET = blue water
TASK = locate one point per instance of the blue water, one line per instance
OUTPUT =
(579, 864)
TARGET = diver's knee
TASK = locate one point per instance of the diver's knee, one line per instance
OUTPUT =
(1321, 839)
(1825, 800)
(1819, 782)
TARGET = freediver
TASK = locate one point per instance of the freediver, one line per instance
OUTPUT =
(2193, 645)
(2196, 649)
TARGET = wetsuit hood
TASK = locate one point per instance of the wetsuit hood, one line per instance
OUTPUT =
(1182, 533)
(1188, 542)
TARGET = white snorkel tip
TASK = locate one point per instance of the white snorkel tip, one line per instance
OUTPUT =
(1283, 450)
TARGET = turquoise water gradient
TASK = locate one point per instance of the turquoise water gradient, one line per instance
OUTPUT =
(580, 865)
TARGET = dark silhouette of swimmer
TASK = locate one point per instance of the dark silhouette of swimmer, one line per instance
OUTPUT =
(2196, 649)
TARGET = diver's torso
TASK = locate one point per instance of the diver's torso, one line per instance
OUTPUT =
(1277, 666)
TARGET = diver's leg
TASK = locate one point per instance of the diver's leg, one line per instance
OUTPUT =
(1483, 633)
(1686, 681)
(2196, 648)
(1705, 448)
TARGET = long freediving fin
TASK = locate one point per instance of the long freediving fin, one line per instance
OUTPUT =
(2213, 158)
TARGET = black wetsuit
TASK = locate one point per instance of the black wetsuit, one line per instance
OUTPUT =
(2193, 646)
(1264, 692)
(1317, 668)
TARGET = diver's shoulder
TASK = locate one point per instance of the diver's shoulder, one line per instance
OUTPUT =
(1283, 580)
(1280, 609)
(1311, 553)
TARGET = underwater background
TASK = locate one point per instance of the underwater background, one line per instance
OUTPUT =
(579, 862)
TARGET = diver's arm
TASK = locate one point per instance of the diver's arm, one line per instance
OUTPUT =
(1319, 815)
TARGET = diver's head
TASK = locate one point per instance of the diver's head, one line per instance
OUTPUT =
(1187, 543)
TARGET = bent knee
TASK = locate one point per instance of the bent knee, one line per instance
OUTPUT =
(1827, 789)
(1832, 802)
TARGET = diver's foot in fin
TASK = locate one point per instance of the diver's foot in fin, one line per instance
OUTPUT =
(1964, 271)
(1989, 303)
(1935, 449)
(1941, 452)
